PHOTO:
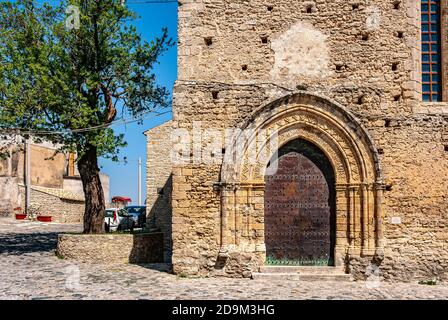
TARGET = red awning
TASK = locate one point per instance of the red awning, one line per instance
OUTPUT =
(121, 199)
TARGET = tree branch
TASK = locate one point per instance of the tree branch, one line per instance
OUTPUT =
(110, 112)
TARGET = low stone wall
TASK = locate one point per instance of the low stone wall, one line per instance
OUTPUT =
(61, 210)
(111, 249)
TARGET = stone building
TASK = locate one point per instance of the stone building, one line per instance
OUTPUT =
(341, 157)
(55, 185)
(159, 183)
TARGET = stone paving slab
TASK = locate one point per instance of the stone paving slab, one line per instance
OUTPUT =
(29, 269)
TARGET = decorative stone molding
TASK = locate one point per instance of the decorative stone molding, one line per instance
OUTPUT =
(345, 142)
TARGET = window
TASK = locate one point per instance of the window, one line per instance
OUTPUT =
(109, 214)
(122, 213)
(431, 51)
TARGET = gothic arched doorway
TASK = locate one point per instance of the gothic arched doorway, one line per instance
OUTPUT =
(300, 205)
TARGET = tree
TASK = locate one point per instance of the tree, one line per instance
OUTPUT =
(67, 72)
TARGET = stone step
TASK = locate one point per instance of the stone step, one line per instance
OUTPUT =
(342, 277)
(302, 273)
(301, 270)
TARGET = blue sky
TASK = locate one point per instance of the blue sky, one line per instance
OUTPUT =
(124, 177)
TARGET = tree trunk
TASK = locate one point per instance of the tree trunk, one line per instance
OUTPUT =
(93, 191)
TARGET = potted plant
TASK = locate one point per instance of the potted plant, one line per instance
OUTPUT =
(44, 218)
(35, 213)
(19, 214)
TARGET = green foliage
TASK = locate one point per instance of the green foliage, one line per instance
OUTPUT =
(431, 282)
(59, 256)
(56, 81)
(272, 261)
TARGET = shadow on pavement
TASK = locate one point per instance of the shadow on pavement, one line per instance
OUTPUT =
(161, 267)
(21, 243)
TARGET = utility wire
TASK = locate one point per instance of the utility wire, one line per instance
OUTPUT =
(130, 2)
(82, 130)
(150, 1)
(118, 122)
(124, 3)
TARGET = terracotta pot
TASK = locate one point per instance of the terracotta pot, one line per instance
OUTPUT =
(44, 218)
(20, 216)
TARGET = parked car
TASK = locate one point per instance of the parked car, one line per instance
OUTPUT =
(116, 219)
(138, 214)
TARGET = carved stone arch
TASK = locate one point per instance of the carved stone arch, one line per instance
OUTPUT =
(329, 147)
(329, 117)
(340, 136)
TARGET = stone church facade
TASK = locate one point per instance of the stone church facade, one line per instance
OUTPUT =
(329, 126)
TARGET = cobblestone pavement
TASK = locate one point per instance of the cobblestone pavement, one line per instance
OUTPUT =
(29, 269)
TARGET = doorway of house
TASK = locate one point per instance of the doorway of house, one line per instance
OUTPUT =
(300, 218)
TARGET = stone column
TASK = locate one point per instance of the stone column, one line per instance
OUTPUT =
(343, 227)
(257, 222)
(378, 215)
(351, 214)
(372, 218)
(227, 198)
(364, 218)
(354, 202)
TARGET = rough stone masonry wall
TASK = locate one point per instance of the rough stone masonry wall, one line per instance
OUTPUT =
(111, 249)
(235, 56)
(415, 165)
(61, 210)
(159, 183)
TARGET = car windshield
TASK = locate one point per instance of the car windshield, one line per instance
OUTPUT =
(122, 213)
(109, 213)
(135, 209)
